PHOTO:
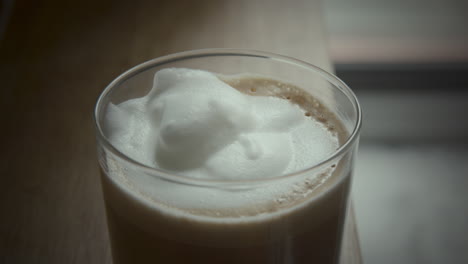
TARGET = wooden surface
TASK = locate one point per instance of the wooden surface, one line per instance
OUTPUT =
(55, 58)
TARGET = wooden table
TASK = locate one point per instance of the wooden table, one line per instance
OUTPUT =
(56, 56)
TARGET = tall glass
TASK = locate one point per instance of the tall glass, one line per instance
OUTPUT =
(154, 215)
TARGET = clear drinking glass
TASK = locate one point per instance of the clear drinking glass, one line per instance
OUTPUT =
(150, 220)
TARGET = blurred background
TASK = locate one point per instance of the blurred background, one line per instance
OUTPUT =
(407, 61)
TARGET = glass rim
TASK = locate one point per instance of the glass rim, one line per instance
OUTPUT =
(217, 52)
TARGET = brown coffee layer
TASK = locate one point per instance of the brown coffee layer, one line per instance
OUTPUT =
(261, 86)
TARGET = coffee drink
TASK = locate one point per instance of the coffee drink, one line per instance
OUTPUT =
(234, 178)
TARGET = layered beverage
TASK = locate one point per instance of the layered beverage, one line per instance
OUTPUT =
(211, 168)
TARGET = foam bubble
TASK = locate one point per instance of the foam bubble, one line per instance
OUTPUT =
(194, 124)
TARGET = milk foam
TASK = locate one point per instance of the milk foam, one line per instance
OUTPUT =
(196, 125)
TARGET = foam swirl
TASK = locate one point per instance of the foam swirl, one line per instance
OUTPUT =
(194, 124)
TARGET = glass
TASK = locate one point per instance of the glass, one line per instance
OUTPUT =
(148, 222)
